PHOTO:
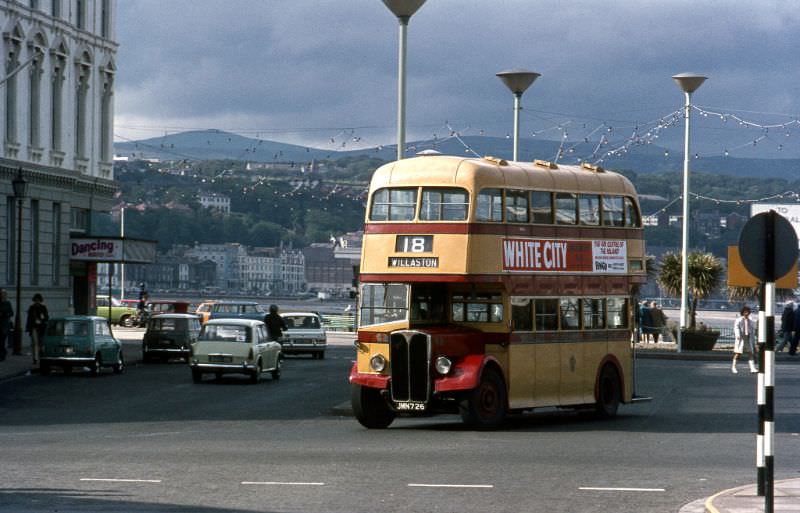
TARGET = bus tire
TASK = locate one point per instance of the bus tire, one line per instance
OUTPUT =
(609, 393)
(370, 408)
(485, 406)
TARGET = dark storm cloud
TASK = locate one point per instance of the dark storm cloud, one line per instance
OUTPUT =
(284, 64)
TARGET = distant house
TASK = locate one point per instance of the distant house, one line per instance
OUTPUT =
(218, 202)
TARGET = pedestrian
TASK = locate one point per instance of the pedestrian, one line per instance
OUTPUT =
(796, 335)
(787, 327)
(659, 320)
(744, 333)
(36, 323)
(6, 314)
(646, 320)
(275, 323)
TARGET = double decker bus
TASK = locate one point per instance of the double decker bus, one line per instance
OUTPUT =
(489, 287)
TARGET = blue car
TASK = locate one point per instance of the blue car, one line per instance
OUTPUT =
(80, 341)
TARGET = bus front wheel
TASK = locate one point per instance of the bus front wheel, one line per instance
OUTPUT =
(609, 393)
(370, 409)
(485, 406)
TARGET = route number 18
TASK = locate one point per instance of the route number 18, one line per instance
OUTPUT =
(414, 244)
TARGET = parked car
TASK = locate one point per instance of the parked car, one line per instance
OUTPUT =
(170, 335)
(204, 310)
(165, 306)
(121, 314)
(80, 341)
(239, 346)
(237, 310)
(304, 334)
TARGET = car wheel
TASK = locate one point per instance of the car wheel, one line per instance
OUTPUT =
(485, 405)
(44, 369)
(276, 372)
(255, 376)
(609, 393)
(370, 408)
(97, 365)
(119, 367)
(126, 321)
(197, 376)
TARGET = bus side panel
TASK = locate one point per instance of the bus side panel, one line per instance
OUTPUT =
(594, 354)
(521, 375)
(548, 374)
(572, 365)
(622, 350)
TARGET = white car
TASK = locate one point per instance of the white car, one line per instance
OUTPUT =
(304, 334)
(235, 346)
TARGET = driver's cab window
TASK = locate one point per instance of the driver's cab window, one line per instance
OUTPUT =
(428, 304)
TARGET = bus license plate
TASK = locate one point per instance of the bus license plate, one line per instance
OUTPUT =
(408, 406)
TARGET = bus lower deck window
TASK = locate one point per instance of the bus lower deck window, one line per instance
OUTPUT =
(521, 314)
(569, 310)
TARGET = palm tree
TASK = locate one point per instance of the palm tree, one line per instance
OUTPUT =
(705, 274)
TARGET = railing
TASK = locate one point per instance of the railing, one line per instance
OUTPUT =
(339, 322)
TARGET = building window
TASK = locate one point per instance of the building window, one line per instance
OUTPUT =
(56, 248)
(35, 229)
(12, 70)
(11, 238)
(79, 221)
(81, 93)
(56, 8)
(34, 117)
(80, 14)
(105, 116)
(105, 19)
(56, 101)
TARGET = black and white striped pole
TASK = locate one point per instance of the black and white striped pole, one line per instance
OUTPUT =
(757, 247)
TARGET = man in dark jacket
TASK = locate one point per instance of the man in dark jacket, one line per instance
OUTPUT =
(275, 323)
(787, 327)
(36, 324)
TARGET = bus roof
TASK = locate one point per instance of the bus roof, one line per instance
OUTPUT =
(478, 173)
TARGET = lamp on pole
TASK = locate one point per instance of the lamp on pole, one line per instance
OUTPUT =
(688, 82)
(20, 186)
(403, 9)
(517, 80)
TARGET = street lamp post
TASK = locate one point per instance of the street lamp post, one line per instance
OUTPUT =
(688, 82)
(403, 9)
(20, 191)
(517, 80)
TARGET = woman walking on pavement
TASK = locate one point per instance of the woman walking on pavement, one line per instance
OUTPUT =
(36, 324)
(744, 332)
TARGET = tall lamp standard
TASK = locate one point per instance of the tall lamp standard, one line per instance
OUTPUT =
(518, 81)
(403, 9)
(20, 186)
(688, 82)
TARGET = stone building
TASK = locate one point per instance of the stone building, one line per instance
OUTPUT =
(56, 129)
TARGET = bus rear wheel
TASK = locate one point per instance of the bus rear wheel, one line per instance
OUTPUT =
(485, 406)
(609, 393)
(370, 409)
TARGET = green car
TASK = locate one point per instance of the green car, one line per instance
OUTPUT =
(80, 341)
(121, 314)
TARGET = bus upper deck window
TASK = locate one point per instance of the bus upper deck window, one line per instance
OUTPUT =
(490, 205)
(444, 205)
(517, 206)
(542, 207)
(393, 205)
(566, 208)
(631, 214)
(612, 211)
(589, 208)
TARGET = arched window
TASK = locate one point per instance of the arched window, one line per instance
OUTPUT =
(106, 112)
(36, 47)
(83, 70)
(59, 67)
(13, 47)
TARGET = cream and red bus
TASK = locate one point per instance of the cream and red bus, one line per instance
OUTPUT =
(489, 287)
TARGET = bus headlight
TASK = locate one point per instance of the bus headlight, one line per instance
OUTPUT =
(377, 363)
(443, 365)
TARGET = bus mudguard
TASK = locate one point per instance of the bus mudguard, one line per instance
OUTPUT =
(465, 374)
(368, 380)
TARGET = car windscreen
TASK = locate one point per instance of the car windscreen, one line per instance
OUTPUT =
(60, 328)
(225, 333)
(160, 324)
(302, 322)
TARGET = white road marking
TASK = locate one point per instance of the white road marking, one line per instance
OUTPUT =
(422, 485)
(604, 489)
(281, 483)
(110, 480)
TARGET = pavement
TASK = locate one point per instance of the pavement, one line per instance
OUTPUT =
(743, 499)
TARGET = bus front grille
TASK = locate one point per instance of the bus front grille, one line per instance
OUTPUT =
(410, 364)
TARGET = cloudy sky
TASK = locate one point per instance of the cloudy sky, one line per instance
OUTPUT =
(308, 71)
